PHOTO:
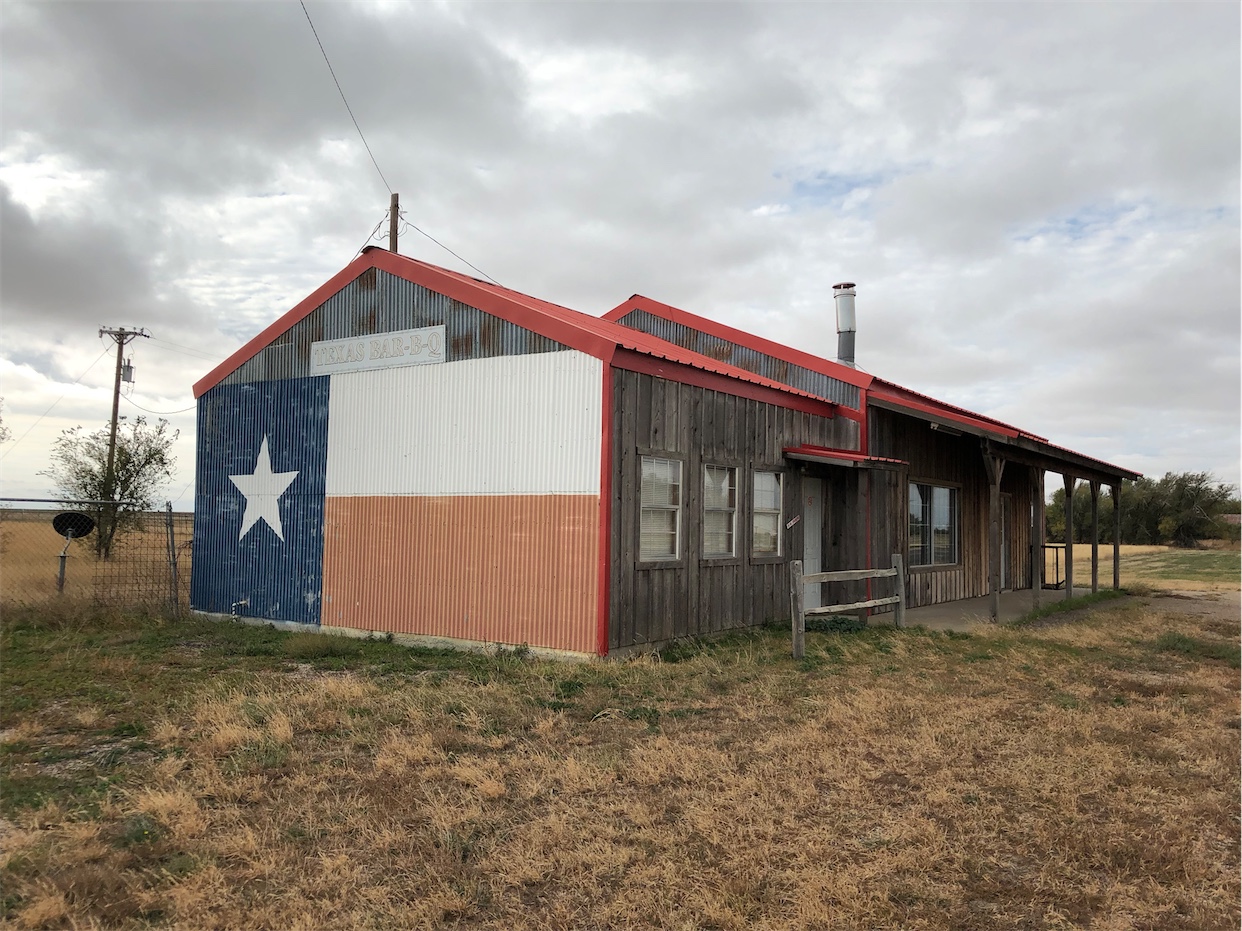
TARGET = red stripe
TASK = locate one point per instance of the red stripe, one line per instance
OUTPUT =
(605, 514)
(864, 425)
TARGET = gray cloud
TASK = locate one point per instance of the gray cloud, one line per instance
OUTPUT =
(1025, 194)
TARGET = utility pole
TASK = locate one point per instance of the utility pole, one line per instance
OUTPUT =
(393, 211)
(122, 336)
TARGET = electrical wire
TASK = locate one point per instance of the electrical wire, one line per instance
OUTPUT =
(53, 404)
(370, 237)
(161, 413)
(455, 255)
(343, 100)
(372, 154)
(185, 350)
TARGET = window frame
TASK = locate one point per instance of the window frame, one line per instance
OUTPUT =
(934, 566)
(682, 542)
(780, 556)
(718, 559)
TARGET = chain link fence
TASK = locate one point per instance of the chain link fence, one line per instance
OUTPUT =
(148, 565)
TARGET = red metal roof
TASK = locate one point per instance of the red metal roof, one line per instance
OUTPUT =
(742, 338)
(845, 373)
(877, 388)
(592, 335)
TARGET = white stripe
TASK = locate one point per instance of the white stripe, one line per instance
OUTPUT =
(501, 426)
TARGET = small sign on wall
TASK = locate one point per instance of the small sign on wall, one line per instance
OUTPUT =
(378, 351)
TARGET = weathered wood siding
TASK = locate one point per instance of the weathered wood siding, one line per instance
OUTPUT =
(957, 461)
(650, 604)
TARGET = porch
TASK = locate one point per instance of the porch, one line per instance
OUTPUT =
(968, 613)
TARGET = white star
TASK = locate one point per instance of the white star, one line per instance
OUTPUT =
(263, 489)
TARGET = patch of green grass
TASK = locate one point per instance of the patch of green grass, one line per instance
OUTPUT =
(137, 830)
(1207, 565)
(1071, 604)
(568, 688)
(1194, 648)
(311, 646)
(836, 624)
(18, 792)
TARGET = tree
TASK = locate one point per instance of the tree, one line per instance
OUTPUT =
(5, 433)
(1193, 502)
(144, 464)
(1181, 509)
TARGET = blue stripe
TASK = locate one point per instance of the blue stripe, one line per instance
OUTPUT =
(257, 573)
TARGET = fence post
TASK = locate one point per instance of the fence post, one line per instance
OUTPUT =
(174, 589)
(797, 593)
(899, 610)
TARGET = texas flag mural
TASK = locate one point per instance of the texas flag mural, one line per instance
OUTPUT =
(454, 500)
(258, 516)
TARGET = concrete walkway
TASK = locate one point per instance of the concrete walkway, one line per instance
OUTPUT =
(972, 612)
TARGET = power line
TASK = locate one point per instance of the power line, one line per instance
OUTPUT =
(185, 350)
(451, 252)
(53, 404)
(343, 100)
(372, 154)
(161, 413)
(371, 236)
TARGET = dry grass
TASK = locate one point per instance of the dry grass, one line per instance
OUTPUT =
(1067, 777)
(29, 564)
(1213, 568)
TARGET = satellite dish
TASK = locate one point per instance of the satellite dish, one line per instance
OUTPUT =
(73, 525)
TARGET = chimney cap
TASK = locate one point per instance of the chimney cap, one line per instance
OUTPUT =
(843, 286)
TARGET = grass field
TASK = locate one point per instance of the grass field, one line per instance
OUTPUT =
(139, 566)
(1211, 568)
(211, 775)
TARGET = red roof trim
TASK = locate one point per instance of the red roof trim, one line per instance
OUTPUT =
(896, 394)
(591, 335)
(828, 454)
(278, 326)
(879, 387)
(742, 338)
(672, 370)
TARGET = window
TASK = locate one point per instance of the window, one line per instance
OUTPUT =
(933, 525)
(766, 529)
(660, 529)
(719, 511)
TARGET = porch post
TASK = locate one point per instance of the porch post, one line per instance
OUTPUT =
(1037, 534)
(1095, 536)
(1117, 536)
(1069, 535)
(995, 467)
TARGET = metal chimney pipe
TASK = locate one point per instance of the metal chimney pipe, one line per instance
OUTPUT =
(844, 294)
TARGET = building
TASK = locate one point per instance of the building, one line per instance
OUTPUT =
(416, 452)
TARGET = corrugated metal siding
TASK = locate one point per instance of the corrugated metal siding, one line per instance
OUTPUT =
(743, 357)
(516, 425)
(280, 579)
(498, 569)
(377, 302)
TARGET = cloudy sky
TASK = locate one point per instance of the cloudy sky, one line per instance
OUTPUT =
(1039, 202)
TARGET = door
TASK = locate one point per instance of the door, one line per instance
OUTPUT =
(812, 536)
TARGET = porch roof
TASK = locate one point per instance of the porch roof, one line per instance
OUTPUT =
(840, 457)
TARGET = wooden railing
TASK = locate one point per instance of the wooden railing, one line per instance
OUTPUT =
(797, 596)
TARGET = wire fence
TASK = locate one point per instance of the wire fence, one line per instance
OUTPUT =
(147, 565)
